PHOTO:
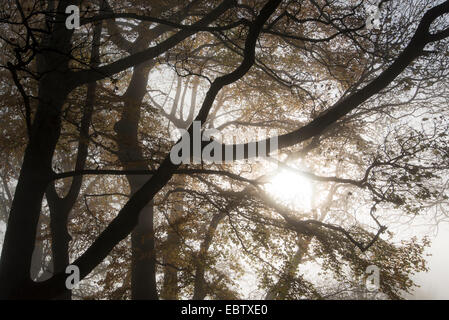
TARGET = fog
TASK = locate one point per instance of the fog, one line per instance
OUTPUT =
(435, 283)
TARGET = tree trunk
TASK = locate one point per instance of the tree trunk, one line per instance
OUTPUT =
(199, 292)
(35, 174)
(60, 208)
(170, 288)
(143, 263)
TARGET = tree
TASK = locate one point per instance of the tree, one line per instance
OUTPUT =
(311, 72)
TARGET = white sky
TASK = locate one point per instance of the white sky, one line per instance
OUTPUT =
(435, 283)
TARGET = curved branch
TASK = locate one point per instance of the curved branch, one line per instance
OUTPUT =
(80, 77)
(411, 52)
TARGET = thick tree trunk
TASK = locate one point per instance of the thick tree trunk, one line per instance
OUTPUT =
(143, 263)
(60, 239)
(35, 174)
(60, 208)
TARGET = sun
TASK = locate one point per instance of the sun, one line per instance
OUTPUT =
(291, 189)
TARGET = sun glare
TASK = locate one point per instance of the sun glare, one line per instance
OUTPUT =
(291, 189)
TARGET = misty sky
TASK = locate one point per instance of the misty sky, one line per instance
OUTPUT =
(435, 283)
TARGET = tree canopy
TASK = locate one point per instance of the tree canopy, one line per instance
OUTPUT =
(356, 101)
